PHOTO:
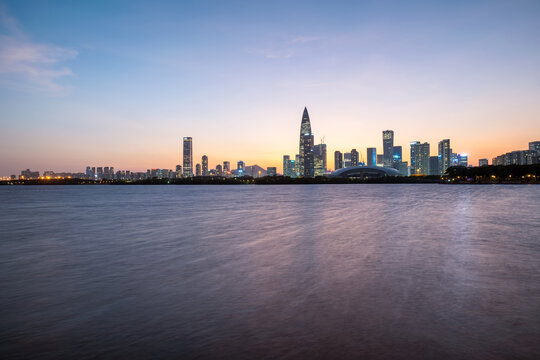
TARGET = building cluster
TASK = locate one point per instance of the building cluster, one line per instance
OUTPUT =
(518, 157)
(422, 163)
(311, 161)
(187, 169)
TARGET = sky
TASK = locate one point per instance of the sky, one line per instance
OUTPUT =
(119, 83)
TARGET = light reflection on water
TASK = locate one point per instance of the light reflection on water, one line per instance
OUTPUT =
(315, 271)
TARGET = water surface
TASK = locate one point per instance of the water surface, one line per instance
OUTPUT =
(246, 272)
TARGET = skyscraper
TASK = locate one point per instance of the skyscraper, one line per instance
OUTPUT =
(371, 156)
(240, 169)
(354, 157)
(338, 160)
(397, 156)
(419, 158)
(226, 168)
(204, 165)
(198, 170)
(444, 155)
(347, 160)
(388, 147)
(319, 159)
(433, 165)
(188, 157)
(463, 159)
(306, 165)
(286, 159)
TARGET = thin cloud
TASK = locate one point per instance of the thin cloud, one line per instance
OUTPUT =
(28, 63)
(272, 53)
(305, 39)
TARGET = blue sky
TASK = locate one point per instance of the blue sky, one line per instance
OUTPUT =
(121, 82)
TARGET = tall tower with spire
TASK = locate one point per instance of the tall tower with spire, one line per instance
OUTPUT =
(306, 165)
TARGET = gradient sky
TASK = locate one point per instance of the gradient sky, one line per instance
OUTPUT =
(119, 83)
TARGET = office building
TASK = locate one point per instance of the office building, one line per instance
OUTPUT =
(380, 160)
(28, 174)
(188, 157)
(289, 166)
(226, 168)
(338, 160)
(403, 168)
(433, 165)
(240, 168)
(306, 160)
(354, 157)
(445, 153)
(204, 165)
(371, 156)
(219, 170)
(419, 158)
(483, 162)
(319, 159)
(271, 171)
(388, 147)
(198, 170)
(462, 159)
(347, 160)
(397, 156)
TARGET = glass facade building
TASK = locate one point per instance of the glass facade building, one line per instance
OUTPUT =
(388, 147)
(306, 160)
(188, 157)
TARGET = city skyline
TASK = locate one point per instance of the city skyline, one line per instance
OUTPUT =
(425, 71)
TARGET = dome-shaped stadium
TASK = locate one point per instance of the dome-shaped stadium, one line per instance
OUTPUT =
(365, 172)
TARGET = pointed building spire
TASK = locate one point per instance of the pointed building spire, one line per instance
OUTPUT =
(306, 147)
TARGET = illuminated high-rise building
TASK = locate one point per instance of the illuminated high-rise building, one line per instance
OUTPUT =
(226, 168)
(371, 156)
(198, 170)
(347, 160)
(397, 156)
(319, 159)
(419, 158)
(445, 155)
(219, 170)
(388, 147)
(297, 165)
(463, 159)
(289, 166)
(188, 157)
(204, 165)
(240, 169)
(354, 157)
(338, 160)
(306, 165)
